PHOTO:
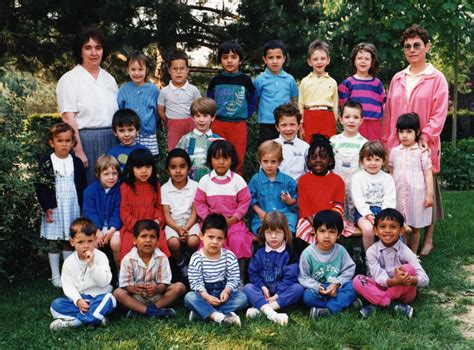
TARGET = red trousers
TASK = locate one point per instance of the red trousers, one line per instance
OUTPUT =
(318, 122)
(236, 134)
(176, 129)
(371, 129)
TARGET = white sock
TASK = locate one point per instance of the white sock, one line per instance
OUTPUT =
(218, 317)
(66, 253)
(54, 262)
(268, 311)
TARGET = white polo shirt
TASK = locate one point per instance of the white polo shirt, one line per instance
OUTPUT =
(179, 201)
(177, 100)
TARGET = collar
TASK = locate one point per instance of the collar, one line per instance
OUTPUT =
(427, 71)
(281, 74)
(314, 75)
(415, 146)
(173, 87)
(396, 246)
(280, 249)
(208, 133)
(282, 139)
(227, 175)
(231, 74)
(174, 189)
(156, 254)
(266, 179)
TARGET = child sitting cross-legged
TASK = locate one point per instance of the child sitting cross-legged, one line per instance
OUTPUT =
(273, 271)
(86, 280)
(145, 276)
(214, 277)
(395, 270)
(326, 268)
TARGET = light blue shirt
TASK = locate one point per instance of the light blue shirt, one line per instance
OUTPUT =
(273, 90)
(266, 194)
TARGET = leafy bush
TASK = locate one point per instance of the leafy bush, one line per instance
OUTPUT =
(457, 165)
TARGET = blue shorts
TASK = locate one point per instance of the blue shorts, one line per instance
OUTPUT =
(375, 210)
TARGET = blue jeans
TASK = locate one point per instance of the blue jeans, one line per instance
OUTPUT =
(344, 298)
(193, 301)
(287, 298)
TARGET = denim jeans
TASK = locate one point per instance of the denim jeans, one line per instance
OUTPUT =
(344, 298)
(193, 301)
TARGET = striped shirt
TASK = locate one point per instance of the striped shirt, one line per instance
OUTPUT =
(202, 270)
(177, 100)
(134, 271)
(369, 93)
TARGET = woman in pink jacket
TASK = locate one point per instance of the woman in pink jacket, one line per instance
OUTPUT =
(422, 89)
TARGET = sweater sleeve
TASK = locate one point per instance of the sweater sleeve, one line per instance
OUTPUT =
(304, 276)
(358, 197)
(89, 206)
(347, 268)
(233, 272)
(69, 276)
(115, 218)
(387, 116)
(253, 189)
(344, 92)
(304, 201)
(251, 98)
(439, 111)
(243, 203)
(44, 185)
(126, 214)
(255, 268)
(200, 202)
(339, 194)
(289, 277)
(211, 89)
(100, 271)
(196, 279)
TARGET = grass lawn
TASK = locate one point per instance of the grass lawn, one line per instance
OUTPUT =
(25, 317)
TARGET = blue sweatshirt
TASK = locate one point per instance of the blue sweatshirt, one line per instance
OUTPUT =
(101, 207)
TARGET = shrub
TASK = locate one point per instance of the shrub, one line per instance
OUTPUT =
(457, 165)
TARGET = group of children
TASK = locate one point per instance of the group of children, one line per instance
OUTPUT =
(299, 203)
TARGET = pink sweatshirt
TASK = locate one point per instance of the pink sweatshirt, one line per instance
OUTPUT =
(429, 99)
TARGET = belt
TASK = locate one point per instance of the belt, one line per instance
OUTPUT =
(319, 108)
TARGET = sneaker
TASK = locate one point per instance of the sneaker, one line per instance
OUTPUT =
(56, 281)
(318, 313)
(281, 319)
(366, 311)
(104, 322)
(357, 304)
(252, 312)
(164, 313)
(404, 309)
(59, 324)
(192, 316)
(131, 314)
(232, 320)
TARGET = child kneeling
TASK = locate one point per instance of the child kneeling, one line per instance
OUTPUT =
(395, 269)
(86, 280)
(145, 276)
(326, 268)
(214, 277)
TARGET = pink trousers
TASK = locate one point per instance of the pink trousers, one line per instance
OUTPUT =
(177, 128)
(382, 296)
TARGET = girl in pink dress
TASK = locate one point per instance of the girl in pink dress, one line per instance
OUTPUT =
(410, 167)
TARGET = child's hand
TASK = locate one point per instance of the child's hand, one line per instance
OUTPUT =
(48, 216)
(261, 214)
(89, 258)
(371, 218)
(138, 289)
(83, 305)
(82, 156)
(266, 293)
(230, 220)
(99, 237)
(322, 290)
(273, 298)
(225, 295)
(428, 202)
(151, 289)
(286, 198)
(183, 234)
(402, 277)
(210, 299)
(331, 290)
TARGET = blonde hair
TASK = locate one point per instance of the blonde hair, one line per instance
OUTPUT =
(273, 221)
(104, 162)
(270, 146)
(203, 105)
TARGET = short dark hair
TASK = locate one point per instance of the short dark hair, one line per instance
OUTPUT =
(287, 110)
(226, 149)
(318, 45)
(272, 45)
(177, 55)
(59, 128)
(389, 214)
(413, 31)
(138, 158)
(216, 221)
(228, 46)
(82, 225)
(83, 37)
(365, 47)
(125, 117)
(329, 218)
(409, 121)
(142, 59)
(352, 104)
(177, 153)
(322, 142)
(146, 224)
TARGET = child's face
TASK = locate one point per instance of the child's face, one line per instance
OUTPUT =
(288, 127)
(146, 242)
(319, 60)
(407, 137)
(178, 170)
(126, 134)
(372, 164)
(137, 72)
(415, 50)
(108, 177)
(274, 60)
(83, 244)
(179, 71)
(388, 231)
(213, 240)
(363, 63)
(202, 122)
(318, 162)
(351, 120)
(220, 163)
(274, 239)
(62, 143)
(142, 173)
(230, 62)
(326, 237)
(270, 164)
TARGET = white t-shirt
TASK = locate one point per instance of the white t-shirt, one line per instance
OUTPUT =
(94, 100)
(179, 201)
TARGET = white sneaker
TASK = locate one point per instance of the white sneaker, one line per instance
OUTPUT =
(252, 312)
(104, 322)
(56, 281)
(192, 316)
(281, 319)
(59, 324)
(232, 319)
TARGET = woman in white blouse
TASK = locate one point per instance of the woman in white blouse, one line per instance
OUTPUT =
(87, 99)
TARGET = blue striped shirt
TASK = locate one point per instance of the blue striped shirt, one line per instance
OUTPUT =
(202, 270)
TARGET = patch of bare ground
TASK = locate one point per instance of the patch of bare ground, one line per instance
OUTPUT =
(467, 318)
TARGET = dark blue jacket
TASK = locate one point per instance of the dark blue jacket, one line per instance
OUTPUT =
(276, 271)
(101, 207)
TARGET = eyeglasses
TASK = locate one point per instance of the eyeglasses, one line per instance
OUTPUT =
(415, 46)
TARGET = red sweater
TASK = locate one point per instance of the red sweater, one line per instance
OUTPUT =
(316, 193)
(143, 203)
